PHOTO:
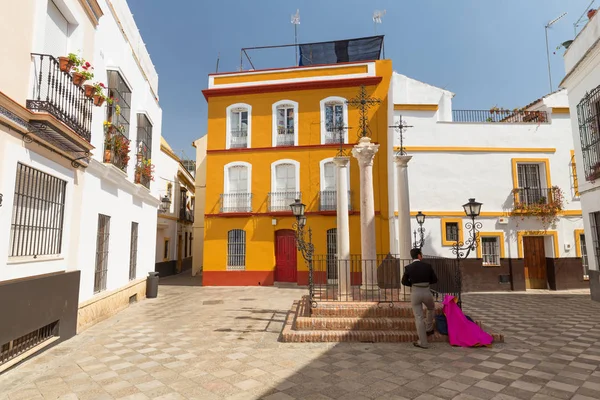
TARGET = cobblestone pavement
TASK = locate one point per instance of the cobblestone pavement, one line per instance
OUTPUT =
(221, 343)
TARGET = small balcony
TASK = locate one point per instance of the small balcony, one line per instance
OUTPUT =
(236, 203)
(116, 148)
(285, 136)
(55, 93)
(328, 200)
(500, 116)
(280, 201)
(532, 196)
(186, 215)
(239, 139)
(332, 137)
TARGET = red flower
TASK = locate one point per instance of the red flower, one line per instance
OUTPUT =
(87, 64)
(102, 85)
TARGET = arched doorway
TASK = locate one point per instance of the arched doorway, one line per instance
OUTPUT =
(285, 256)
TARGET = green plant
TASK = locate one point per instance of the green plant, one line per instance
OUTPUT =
(85, 69)
(145, 168)
(118, 109)
(75, 59)
(545, 209)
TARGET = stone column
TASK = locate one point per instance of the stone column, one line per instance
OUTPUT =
(364, 152)
(404, 237)
(343, 226)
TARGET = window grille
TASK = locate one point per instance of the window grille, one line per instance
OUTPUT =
(236, 249)
(452, 231)
(133, 251)
(101, 253)
(588, 118)
(490, 250)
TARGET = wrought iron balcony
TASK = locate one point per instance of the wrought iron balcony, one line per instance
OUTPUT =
(186, 215)
(532, 196)
(236, 202)
(280, 201)
(332, 137)
(285, 136)
(328, 200)
(502, 116)
(55, 93)
(116, 149)
(239, 139)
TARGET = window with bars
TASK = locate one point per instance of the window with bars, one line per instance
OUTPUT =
(38, 214)
(584, 256)
(490, 251)
(236, 249)
(166, 249)
(101, 253)
(119, 112)
(143, 149)
(452, 231)
(595, 225)
(133, 249)
(185, 253)
(588, 119)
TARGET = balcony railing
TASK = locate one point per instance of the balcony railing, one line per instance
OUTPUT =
(328, 200)
(116, 149)
(55, 93)
(285, 136)
(186, 215)
(280, 201)
(332, 137)
(503, 116)
(531, 196)
(236, 202)
(239, 139)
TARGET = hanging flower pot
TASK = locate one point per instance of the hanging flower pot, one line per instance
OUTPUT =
(139, 157)
(138, 177)
(98, 100)
(591, 13)
(89, 91)
(106, 156)
(65, 64)
(78, 79)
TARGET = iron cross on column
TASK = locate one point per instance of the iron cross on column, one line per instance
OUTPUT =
(363, 102)
(339, 130)
(400, 129)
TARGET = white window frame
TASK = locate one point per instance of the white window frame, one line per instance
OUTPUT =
(322, 173)
(274, 113)
(324, 102)
(229, 109)
(274, 165)
(226, 174)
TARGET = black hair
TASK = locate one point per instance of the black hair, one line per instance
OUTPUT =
(414, 253)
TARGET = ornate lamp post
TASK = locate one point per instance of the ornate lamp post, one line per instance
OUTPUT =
(165, 204)
(420, 217)
(307, 249)
(463, 249)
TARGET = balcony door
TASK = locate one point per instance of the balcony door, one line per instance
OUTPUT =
(57, 32)
(285, 187)
(237, 189)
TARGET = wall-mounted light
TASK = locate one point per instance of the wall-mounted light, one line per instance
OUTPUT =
(165, 204)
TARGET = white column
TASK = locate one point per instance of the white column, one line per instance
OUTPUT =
(343, 225)
(404, 238)
(364, 152)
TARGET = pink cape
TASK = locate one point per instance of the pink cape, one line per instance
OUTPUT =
(461, 331)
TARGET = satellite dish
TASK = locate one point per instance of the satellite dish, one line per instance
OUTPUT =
(377, 15)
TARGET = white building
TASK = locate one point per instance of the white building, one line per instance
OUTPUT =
(496, 157)
(582, 80)
(200, 145)
(174, 237)
(77, 232)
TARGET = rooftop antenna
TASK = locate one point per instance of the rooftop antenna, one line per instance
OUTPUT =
(377, 15)
(548, 25)
(218, 58)
(296, 22)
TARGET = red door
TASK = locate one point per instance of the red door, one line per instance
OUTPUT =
(285, 256)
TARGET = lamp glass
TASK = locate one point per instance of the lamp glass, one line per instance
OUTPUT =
(297, 208)
(472, 208)
(302, 221)
(420, 218)
(165, 203)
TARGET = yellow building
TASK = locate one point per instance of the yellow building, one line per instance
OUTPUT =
(270, 141)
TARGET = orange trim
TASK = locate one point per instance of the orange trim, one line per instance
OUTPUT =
(416, 107)
(560, 110)
(290, 87)
(281, 148)
(294, 74)
(294, 67)
(238, 278)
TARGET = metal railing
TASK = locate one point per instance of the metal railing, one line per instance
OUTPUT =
(376, 280)
(186, 215)
(285, 136)
(332, 137)
(531, 196)
(236, 202)
(18, 346)
(54, 92)
(328, 200)
(116, 149)
(504, 116)
(280, 201)
(239, 139)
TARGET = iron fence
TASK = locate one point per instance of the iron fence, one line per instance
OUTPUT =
(530, 196)
(285, 136)
(236, 202)
(376, 280)
(54, 92)
(20, 345)
(280, 201)
(239, 139)
(504, 116)
(328, 200)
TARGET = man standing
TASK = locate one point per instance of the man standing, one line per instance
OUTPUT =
(419, 275)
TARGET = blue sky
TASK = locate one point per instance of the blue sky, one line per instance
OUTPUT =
(487, 52)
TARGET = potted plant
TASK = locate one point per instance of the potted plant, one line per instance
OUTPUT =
(99, 96)
(591, 13)
(66, 63)
(82, 73)
(145, 169)
(107, 144)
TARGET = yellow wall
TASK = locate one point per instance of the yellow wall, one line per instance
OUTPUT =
(260, 232)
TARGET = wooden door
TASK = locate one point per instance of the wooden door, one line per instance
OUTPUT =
(285, 256)
(535, 262)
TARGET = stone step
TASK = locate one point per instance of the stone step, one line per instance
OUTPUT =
(366, 310)
(364, 336)
(355, 324)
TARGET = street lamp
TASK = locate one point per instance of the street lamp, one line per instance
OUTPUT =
(165, 204)
(307, 249)
(420, 230)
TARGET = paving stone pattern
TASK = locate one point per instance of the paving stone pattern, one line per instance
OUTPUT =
(222, 343)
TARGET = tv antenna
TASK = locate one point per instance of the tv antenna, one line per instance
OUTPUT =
(377, 15)
(576, 24)
(548, 25)
(296, 22)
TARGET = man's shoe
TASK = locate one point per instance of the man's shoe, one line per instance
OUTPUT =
(417, 344)
(431, 332)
